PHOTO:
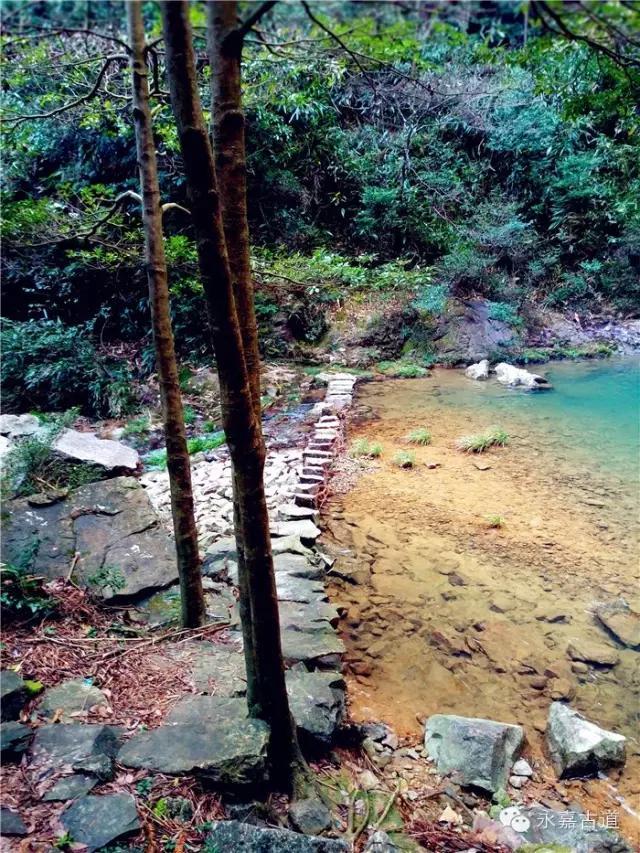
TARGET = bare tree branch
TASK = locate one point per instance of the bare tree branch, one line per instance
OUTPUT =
(255, 17)
(17, 120)
(47, 33)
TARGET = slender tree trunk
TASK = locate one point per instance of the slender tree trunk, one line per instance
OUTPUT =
(224, 49)
(178, 465)
(241, 421)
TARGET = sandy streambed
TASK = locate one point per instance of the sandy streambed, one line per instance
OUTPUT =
(450, 614)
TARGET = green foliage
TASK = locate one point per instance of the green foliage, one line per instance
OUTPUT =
(190, 415)
(21, 594)
(404, 459)
(479, 443)
(107, 578)
(198, 444)
(138, 427)
(420, 435)
(47, 365)
(495, 522)
(401, 369)
(363, 448)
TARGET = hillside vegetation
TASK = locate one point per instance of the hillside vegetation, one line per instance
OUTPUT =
(400, 156)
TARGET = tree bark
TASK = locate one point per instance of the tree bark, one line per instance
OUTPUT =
(178, 464)
(241, 421)
(224, 50)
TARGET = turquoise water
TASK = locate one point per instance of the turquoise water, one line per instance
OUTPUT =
(592, 414)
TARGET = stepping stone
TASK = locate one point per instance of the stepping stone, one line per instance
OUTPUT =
(14, 740)
(289, 545)
(304, 528)
(293, 588)
(13, 694)
(589, 652)
(82, 746)
(316, 649)
(71, 698)
(231, 835)
(477, 752)
(579, 747)
(97, 821)
(299, 566)
(217, 668)
(11, 823)
(70, 788)
(309, 616)
(317, 702)
(229, 750)
(305, 500)
(87, 447)
(291, 512)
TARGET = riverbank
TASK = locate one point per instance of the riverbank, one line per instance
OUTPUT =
(468, 578)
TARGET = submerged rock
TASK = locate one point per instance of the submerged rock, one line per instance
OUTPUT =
(478, 752)
(97, 821)
(622, 622)
(206, 735)
(87, 447)
(516, 377)
(230, 835)
(478, 371)
(578, 747)
(584, 650)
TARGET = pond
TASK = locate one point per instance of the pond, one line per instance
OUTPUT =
(470, 581)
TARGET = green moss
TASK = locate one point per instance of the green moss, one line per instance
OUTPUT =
(401, 369)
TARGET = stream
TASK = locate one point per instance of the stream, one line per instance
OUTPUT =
(466, 579)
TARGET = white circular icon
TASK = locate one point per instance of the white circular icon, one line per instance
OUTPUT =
(512, 817)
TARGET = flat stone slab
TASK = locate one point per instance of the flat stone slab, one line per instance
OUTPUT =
(317, 648)
(217, 669)
(294, 588)
(231, 835)
(478, 752)
(87, 447)
(299, 566)
(317, 702)
(71, 698)
(622, 622)
(291, 512)
(17, 426)
(110, 524)
(97, 821)
(14, 740)
(304, 528)
(13, 694)
(228, 748)
(81, 746)
(579, 747)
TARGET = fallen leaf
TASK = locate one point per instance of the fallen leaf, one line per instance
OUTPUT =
(451, 817)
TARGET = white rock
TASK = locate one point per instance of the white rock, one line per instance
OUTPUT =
(19, 425)
(479, 370)
(5, 446)
(522, 768)
(518, 781)
(368, 780)
(86, 447)
(516, 377)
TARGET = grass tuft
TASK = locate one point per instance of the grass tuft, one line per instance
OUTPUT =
(482, 441)
(362, 448)
(421, 436)
(404, 459)
(495, 522)
(401, 369)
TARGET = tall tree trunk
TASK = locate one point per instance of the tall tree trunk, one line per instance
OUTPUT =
(241, 421)
(178, 464)
(224, 49)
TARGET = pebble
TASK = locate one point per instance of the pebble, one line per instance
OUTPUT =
(517, 781)
(522, 768)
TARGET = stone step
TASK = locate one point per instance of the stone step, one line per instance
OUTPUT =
(309, 501)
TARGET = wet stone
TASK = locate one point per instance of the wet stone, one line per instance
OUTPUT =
(622, 622)
(97, 821)
(594, 653)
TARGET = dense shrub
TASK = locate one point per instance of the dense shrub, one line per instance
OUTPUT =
(48, 366)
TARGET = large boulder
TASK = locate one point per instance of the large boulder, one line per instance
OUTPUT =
(208, 736)
(243, 838)
(87, 447)
(517, 377)
(19, 426)
(478, 371)
(111, 525)
(479, 753)
(578, 747)
(97, 821)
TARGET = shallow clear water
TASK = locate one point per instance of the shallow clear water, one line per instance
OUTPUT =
(593, 410)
